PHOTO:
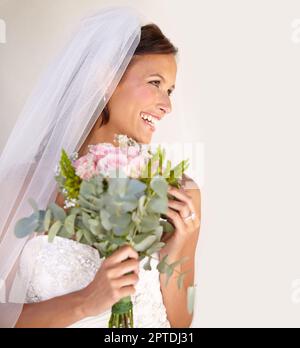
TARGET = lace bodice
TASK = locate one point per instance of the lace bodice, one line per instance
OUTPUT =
(65, 266)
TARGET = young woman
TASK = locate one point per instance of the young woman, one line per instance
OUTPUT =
(69, 285)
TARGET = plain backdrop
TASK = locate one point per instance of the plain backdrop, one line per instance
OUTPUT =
(239, 78)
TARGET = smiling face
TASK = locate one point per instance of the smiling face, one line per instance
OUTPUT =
(145, 88)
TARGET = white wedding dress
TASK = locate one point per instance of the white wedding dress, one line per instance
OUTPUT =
(65, 266)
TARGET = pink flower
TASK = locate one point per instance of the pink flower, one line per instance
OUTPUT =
(85, 166)
(111, 162)
(107, 160)
(132, 152)
(101, 150)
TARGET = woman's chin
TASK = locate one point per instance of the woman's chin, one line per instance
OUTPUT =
(142, 138)
(145, 141)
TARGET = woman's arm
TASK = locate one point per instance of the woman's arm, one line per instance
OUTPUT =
(60, 311)
(175, 299)
(111, 283)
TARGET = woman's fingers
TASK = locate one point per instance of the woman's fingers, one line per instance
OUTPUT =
(127, 291)
(122, 254)
(176, 219)
(181, 195)
(130, 279)
(181, 207)
(124, 267)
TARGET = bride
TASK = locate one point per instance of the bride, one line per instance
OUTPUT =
(112, 78)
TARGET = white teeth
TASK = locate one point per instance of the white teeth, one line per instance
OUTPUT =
(149, 118)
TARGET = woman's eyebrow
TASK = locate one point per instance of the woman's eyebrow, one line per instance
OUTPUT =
(159, 75)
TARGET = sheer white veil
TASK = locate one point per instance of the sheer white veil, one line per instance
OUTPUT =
(60, 113)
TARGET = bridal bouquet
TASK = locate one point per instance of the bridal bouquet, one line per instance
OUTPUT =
(113, 196)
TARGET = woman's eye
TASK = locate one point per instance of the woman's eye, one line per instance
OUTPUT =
(157, 81)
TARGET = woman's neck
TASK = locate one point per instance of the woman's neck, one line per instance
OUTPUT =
(104, 134)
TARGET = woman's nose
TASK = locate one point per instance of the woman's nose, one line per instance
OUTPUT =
(166, 105)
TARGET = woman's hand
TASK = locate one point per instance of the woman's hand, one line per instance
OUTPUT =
(111, 282)
(178, 210)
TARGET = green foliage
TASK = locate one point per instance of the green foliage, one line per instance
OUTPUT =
(147, 265)
(111, 212)
(67, 179)
(54, 230)
(26, 226)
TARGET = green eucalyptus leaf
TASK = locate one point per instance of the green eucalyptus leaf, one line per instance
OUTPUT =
(135, 188)
(87, 188)
(79, 235)
(70, 224)
(88, 211)
(180, 169)
(135, 217)
(102, 247)
(85, 220)
(54, 229)
(162, 265)
(130, 230)
(79, 223)
(169, 270)
(129, 205)
(122, 221)
(158, 232)
(141, 256)
(117, 186)
(97, 203)
(111, 248)
(141, 204)
(158, 205)
(147, 265)
(90, 238)
(75, 211)
(41, 217)
(58, 212)
(118, 241)
(47, 220)
(146, 170)
(143, 242)
(160, 186)
(105, 220)
(84, 203)
(149, 223)
(64, 233)
(119, 231)
(95, 226)
(166, 172)
(155, 247)
(167, 226)
(26, 226)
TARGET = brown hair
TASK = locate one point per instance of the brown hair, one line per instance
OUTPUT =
(152, 41)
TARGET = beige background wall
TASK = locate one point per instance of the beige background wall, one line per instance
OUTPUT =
(239, 75)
